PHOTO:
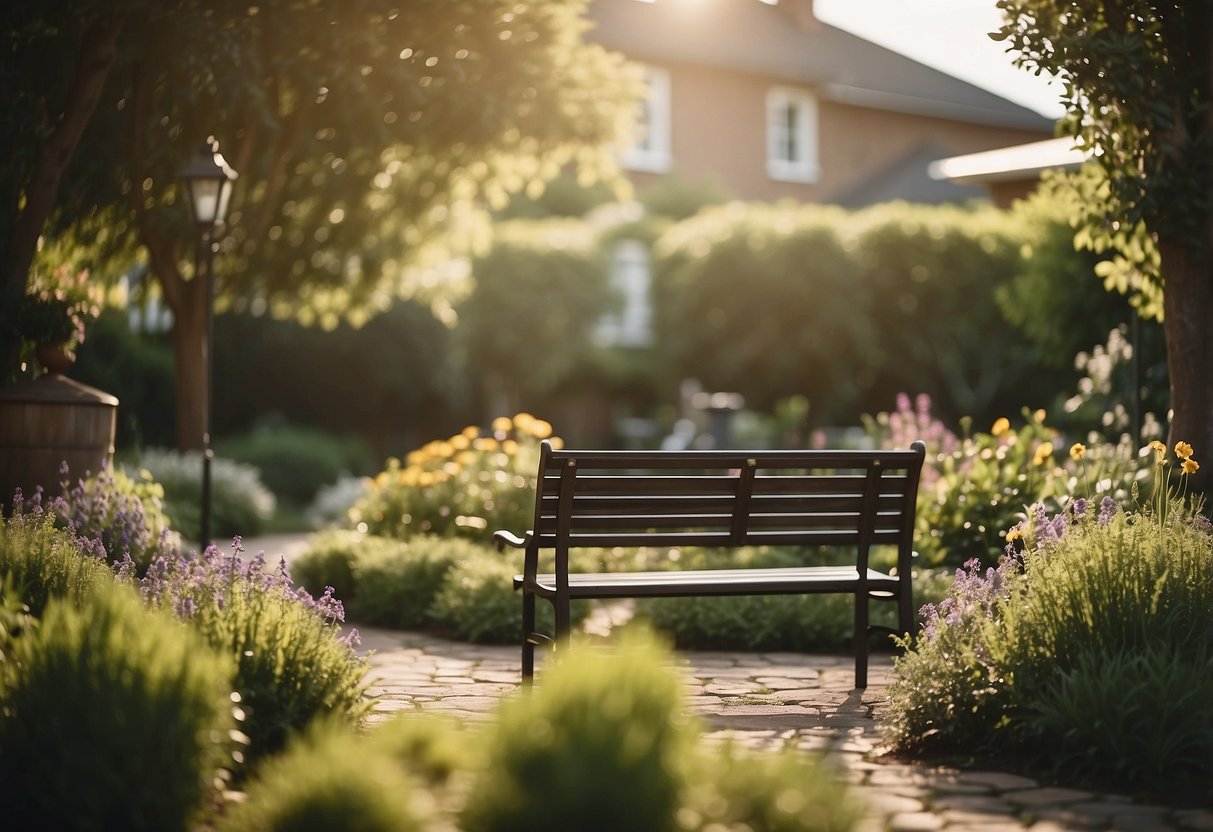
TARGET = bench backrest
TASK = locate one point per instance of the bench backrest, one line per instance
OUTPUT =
(727, 498)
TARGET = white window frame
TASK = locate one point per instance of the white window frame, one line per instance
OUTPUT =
(650, 152)
(631, 278)
(792, 147)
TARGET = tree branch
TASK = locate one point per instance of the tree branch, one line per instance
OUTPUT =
(95, 58)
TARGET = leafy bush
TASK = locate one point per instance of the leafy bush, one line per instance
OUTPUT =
(333, 502)
(122, 515)
(330, 561)
(332, 780)
(1057, 634)
(788, 791)
(460, 485)
(766, 622)
(397, 586)
(291, 665)
(295, 462)
(240, 504)
(478, 603)
(39, 562)
(117, 718)
(600, 744)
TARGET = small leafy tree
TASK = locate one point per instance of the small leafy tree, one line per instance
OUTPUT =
(1138, 82)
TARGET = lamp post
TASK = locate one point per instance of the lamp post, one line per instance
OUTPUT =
(208, 181)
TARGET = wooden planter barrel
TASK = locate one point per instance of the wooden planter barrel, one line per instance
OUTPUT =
(47, 421)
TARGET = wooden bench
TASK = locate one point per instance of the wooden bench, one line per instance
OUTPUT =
(610, 499)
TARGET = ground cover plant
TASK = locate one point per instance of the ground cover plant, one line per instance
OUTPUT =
(1086, 653)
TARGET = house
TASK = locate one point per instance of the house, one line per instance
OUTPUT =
(764, 99)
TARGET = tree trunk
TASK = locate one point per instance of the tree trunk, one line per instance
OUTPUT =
(1188, 303)
(189, 354)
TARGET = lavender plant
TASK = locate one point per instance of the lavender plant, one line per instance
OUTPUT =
(114, 515)
(292, 664)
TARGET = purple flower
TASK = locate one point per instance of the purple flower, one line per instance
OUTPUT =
(1107, 509)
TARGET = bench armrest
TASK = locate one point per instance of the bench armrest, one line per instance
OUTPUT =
(502, 539)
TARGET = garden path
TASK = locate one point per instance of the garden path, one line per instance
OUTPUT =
(772, 700)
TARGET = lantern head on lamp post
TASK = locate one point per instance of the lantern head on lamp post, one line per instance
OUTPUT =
(208, 182)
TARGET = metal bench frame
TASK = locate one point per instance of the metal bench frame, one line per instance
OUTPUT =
(720, 499)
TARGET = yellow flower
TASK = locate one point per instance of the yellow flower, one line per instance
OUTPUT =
(486, 444)
(460, 442)
(1078, 450)
(471, 432)
(557, 443)
(541, 429)
(1013, 535)
(1191, 466)
(1043, 452)
(1039, 416)
(502, 423)
(510, 447)
(1160, 450)
(1001, 425)
(1183, 450)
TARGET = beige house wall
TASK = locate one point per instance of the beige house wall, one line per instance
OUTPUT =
(718, 133)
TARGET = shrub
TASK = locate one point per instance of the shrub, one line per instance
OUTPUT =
(291, 665)
(767, 622)
(600, 744)
(788, 791)
(240, 504)
(333, 502)
(332, 780)
(330, 561)
(1102, 595)
(459, 485)
(295, 462)
(397, 586)
(122, 515)
(39, 562)
(118, 719)
(478, 603)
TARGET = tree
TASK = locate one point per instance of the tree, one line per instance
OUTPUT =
(363, 132)
(1138, 81)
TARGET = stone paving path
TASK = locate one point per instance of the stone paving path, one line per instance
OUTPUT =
(772, 700)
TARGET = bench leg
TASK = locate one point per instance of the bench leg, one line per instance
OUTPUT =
(905, 614)
(563, 621)
(528, 627)
(861, 640)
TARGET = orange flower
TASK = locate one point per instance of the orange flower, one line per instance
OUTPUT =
(1043, 452)
(1001, 425)
(1160, 450)
(1078, 451)
(1183, 450)
(1191, 466)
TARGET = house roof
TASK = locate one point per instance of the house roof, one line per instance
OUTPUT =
(1006, 164)
(906, 178)
(752, 36)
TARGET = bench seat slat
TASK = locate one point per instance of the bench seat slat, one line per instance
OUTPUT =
(640, 523)
(646, 484)
(803, 579)
(584, 505)
(811, 537)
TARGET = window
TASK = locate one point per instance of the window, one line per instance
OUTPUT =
(631, 323)
(651, 150)
(792, 136)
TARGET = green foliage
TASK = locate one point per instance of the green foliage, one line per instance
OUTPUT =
(799, 283)
(397, 586)
(676, 199)
(240, 504)
(600, 744)
(1087, 636)
(538, 293)
(464, 486)
(334, 780)
(787, 791)
(478, 603)
(394, 378)
(294, 462)
(117, 718)
(330, 561)
(39, 563)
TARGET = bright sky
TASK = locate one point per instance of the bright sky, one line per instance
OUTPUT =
(949, 35)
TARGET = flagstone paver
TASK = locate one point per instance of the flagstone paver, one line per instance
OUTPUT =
(776, 700)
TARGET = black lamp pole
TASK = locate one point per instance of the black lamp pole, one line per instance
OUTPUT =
(208, 182)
